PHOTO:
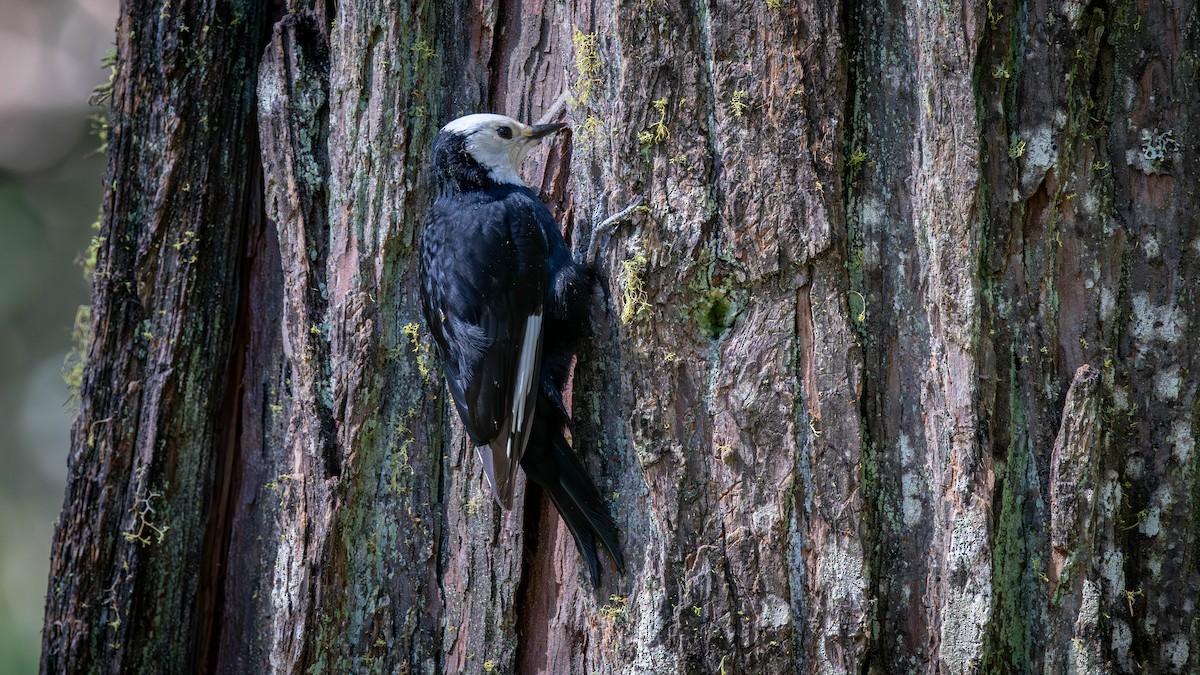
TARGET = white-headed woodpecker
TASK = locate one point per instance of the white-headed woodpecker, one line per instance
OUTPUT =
(507, 304)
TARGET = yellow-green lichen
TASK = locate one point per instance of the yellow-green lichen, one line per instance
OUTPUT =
(73, 363)
(1016, 148)
(423, 50)
(657, 132)
(616, 608)
(401, 472)
(587, 65)
(419, 348)
(858, 158)
(635, 300)
(737, 103)
(591, 130)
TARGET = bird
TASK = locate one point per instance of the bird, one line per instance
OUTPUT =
(507, 304)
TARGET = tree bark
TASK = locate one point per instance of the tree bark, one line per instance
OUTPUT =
(894, 371)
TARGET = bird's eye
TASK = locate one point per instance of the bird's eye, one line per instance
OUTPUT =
(504, 132)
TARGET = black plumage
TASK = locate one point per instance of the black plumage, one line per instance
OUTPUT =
(501, 289)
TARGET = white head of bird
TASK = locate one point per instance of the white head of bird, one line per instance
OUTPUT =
(499, 143)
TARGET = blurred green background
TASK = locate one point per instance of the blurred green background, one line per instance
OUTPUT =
(50, 189)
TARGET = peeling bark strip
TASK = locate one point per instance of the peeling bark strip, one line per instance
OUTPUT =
(1073, 469)
(286, 501)
(895, 371)
(1074, 465)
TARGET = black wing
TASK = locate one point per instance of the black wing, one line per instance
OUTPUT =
(484, 280)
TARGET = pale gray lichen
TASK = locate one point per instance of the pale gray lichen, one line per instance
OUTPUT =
(1151, 523)
(1182, 440)
(1165, 323)
(1085, 653)
(775, 613)
(652, 656)
(912, 485)
(1112, 570)
(1150, 246)
(1176, 652)
(1156, 144)
(1167, 383)
(1122, 642)
(1157, 154)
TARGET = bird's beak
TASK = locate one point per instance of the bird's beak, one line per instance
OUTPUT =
(539, 131)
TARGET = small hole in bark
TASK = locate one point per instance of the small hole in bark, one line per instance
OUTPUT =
(715, 313)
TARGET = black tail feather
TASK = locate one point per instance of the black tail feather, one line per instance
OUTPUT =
(551, 395)
(575, 482)
(550, 462)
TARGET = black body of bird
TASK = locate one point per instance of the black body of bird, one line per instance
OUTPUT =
(507, 304)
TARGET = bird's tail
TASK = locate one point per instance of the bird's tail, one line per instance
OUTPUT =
(550, 462)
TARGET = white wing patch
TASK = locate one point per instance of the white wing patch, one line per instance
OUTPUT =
(533, 332)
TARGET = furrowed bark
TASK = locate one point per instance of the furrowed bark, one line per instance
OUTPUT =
(947, 229)
(128, 549)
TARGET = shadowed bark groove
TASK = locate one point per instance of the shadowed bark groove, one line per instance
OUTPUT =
(893, 369)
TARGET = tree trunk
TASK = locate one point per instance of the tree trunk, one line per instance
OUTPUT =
(894, 371)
